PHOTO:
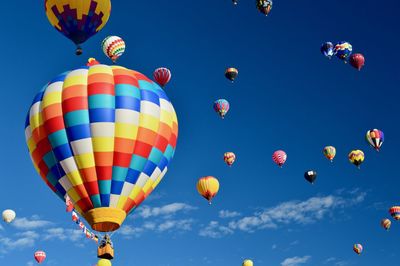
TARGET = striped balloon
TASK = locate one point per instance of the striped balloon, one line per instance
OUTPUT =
(330, 152)
(375, 138)
(40, 256)
(208, 187)
(229, 158)
(356, 157)
(104, 136)
(279, 157)
(386, 223)
(221, 106)
(113, 47)
(162, 76)
(358, 248)
(395, 212)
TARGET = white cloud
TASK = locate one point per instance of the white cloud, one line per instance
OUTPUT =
(164, 226)
(177, 225)
(215, 230)
(59, 233)
(228, 214)
(30, 263)
(22, 240)
(29, 224)
(274, 246)
(295, 261)
(166, 210)
(335, 262)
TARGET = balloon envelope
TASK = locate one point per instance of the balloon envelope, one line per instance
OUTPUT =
(395, 212)
(208, 187)
(375, 138)
(357, 61)
(327, 49)
(231, 73)
(229, 158)
(330, 152)
(113, 47)
(40, 256)
(279, 157)
(221, 106)
(343, 50)
(8, 216)
(162, 76)
(104, 262)
(386, 223)
(356, 157)
(358, 248)
(310, 176)
(104, 135)
(247, 263)
(264, 6)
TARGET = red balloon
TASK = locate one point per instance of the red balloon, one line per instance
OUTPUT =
(357, 61)
(40, 256)
(162, 75)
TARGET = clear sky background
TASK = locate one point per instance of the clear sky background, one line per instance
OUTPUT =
(287, 96)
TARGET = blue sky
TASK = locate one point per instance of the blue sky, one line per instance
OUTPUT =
(287, 96)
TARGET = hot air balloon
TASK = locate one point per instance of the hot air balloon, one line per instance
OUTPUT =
(343, 50)
(375, 138)
(279, 157)
(395, 212)
(327, 49)
(386, 223)
(264, 6)
(78, 20)
(104, 262)
(356, 157)
(231, 73)
(358, 248)
(330, 152)
(162, 76)
(247, 263)
(310, 176)
(235, 2)
(221, 106)
(113, 47)
(8, 216)
(40, 256)
(208, 187)
(357, 61)
(104, 135)
(229, 158)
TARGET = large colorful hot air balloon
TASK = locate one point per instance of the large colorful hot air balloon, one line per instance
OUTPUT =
(113, 47)
(358, 248)
(40, 256)
(264, 6)
(356, 157)
(279, 157)
(330, 152)
(386, 223)
(229, 158)
(103, 135)
(162, 76)
(375, 138)
(247, 263)
(395, 212)
(208, 187)
(357, 61)
(310, 176)
(221, 106)
(8, 216)
(78, 20)
(327, 49)
(343, 50)
(231, 73)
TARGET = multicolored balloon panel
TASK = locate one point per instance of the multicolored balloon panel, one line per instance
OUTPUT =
(104, 135)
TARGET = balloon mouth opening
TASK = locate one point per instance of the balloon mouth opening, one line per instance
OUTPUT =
(105, 219)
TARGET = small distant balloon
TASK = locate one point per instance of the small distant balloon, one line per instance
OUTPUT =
(235, 2)
(310, 176)
(356, 157)
(386, 223)
(8, 216)
(375, 138)
(231, 73)
(264, 6)
(104, 262)
(113, 47)
(279, 157)
(327, 49)
(208, 187)
(357, 61)
(40, 256)
(162, 76)
(247, 263)
(395, 212)
(229, 158)
(358, 248)
(343, 50)
(221, 106)
(330, 152)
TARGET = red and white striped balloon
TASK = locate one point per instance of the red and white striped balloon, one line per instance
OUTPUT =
(162, 76)
(279, 157)
(40, 256)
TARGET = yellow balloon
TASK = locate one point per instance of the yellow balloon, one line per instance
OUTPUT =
(208, 187)
(104, 262)
(247, 263)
